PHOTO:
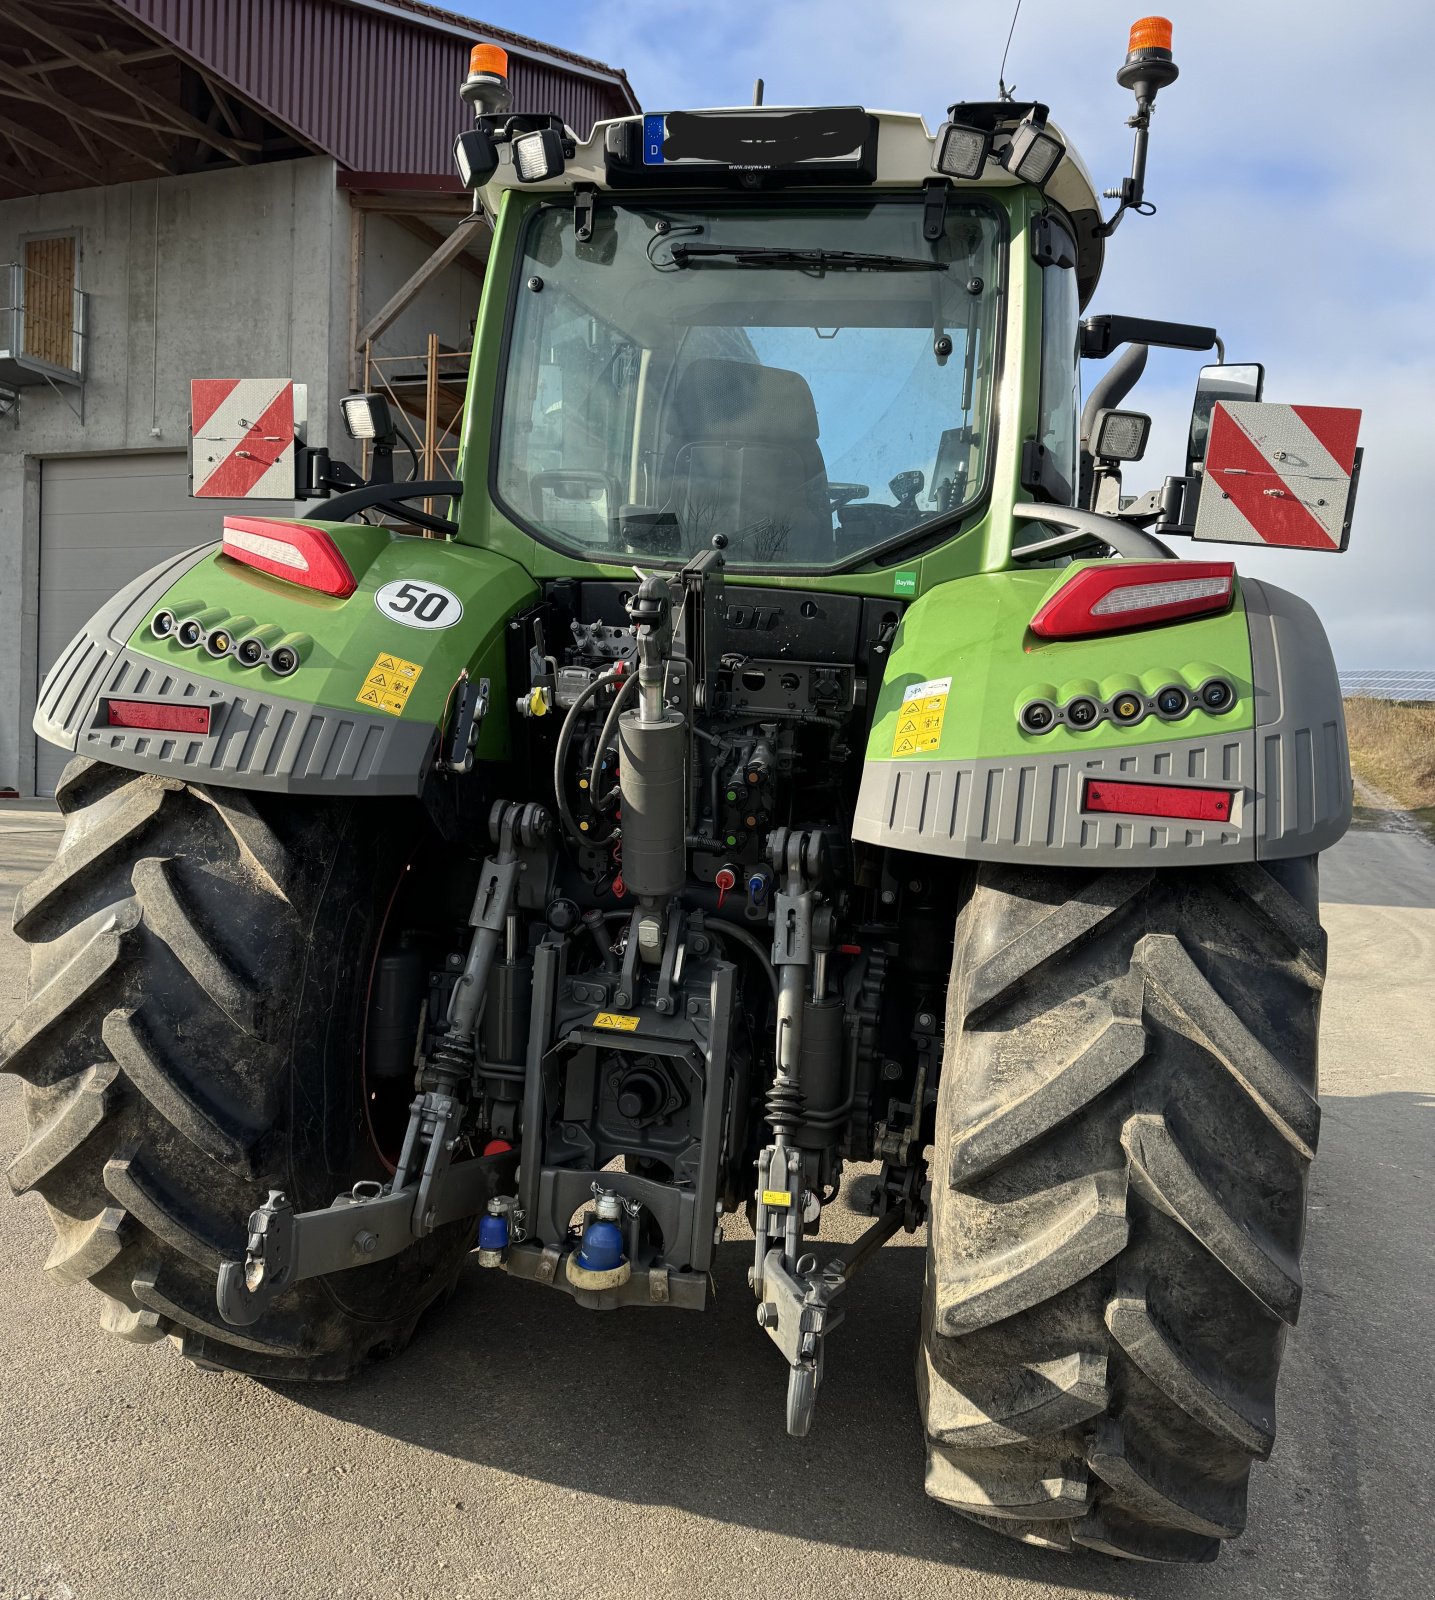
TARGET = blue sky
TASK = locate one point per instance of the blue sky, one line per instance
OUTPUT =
(1290, 164)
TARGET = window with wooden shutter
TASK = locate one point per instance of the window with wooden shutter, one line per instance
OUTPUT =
(49, 318)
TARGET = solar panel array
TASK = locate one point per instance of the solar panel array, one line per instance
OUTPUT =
(1389, 685)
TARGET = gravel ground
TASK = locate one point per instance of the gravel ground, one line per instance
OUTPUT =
(525, 1447)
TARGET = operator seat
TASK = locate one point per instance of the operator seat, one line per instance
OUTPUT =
(742, 458)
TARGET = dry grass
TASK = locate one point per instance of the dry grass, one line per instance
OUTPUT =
(1393, 746)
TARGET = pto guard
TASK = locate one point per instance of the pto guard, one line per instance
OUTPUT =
(951, 771)
(313, 731)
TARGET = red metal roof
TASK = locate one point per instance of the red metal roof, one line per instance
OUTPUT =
(374, 83)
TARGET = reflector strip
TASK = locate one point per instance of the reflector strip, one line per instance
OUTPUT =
(1158, 800)
(163, 718)
(260, 544)
(1145, 596)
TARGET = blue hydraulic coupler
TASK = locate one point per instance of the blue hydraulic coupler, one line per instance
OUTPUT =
(492, 1238)
(602, 1247)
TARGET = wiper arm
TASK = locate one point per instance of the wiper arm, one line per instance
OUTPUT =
(779, 255)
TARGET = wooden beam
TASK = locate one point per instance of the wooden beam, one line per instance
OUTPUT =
(75, 52)
(433, 239)
(118, 58)
(472, 229)
(20, 134)
(15, 183)
(77, 116)
(413, 204)
(225, 109)
(18, 151)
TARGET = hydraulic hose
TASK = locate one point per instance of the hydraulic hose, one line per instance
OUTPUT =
(560, 756)
(724, 930)
(610, 723)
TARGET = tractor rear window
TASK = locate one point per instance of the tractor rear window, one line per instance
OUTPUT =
(813, 382)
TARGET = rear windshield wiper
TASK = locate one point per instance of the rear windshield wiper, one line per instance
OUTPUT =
(779, 255)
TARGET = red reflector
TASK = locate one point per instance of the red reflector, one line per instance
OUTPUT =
(496, 1147)
(163, 718)
(1134, 594)
(290, 550)
(1158, 800)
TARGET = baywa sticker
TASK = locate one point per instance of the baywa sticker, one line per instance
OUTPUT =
(920, 717)
(389, 683)
(419, 604)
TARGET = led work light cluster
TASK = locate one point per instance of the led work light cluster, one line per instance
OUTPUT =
(1125, 709)
(973, 135)
(218, 634)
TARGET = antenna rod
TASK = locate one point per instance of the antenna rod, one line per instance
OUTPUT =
(757, 93)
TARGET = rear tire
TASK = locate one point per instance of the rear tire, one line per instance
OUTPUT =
(1125, 1123)
(192, 1039)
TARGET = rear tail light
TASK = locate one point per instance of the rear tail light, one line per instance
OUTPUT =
(1134, 594)
(290, 550)
(1158, 800)
(158, 716)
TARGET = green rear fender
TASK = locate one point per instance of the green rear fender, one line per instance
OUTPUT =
(974, 631)
(355, 655)
(951, 770)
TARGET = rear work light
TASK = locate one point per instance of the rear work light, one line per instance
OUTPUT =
(1135, 594)
(1158, 800)
(291, 550)
(162, 718)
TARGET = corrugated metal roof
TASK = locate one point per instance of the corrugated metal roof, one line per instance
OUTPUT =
(374, 83)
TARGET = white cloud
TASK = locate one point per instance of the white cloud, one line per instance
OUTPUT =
(1290, 166)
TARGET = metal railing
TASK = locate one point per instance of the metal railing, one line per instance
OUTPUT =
(42, 322)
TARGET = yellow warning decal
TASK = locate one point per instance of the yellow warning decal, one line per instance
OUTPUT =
(777, 1197)
(920, 717)
(389, 683)
(615, 1020)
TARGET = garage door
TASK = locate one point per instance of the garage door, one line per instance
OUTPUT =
(103, 521)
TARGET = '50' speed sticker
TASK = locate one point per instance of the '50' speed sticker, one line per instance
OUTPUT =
(418, 604)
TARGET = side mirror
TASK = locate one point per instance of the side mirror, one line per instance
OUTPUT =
(1218, 383)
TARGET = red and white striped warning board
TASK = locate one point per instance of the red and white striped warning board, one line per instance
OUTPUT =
(242, 437)
(1282, 475)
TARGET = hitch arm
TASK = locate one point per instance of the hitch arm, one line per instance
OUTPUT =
(369, 1224)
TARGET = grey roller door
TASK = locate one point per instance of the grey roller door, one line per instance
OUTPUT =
(103, 521)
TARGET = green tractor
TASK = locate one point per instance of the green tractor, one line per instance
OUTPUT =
(784, 748)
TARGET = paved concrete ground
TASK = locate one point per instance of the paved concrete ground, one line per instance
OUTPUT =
(524, 1447)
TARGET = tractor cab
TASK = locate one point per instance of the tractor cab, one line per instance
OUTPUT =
(782, 327)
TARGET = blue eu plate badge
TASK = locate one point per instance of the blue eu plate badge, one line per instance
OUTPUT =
(653, 135)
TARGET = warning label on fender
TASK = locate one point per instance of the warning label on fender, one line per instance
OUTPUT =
(920, 717)
(389, 683)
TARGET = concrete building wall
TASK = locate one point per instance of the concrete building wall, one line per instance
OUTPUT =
(238, 273)
(250, 272)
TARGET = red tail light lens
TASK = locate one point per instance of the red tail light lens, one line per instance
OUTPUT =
(1134, 594)
(291, 550)
(162, 718)
(1158, 800)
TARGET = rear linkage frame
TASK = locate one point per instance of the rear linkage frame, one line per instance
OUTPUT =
(680, 998)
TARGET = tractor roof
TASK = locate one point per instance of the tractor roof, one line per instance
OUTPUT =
(904, 159)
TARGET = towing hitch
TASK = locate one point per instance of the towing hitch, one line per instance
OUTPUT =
(369, 1224)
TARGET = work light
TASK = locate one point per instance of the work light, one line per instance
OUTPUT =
(367, 416)
(1034, 153)
(1120, 435)
(538, 155)
(475, 157)
(962, 151)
